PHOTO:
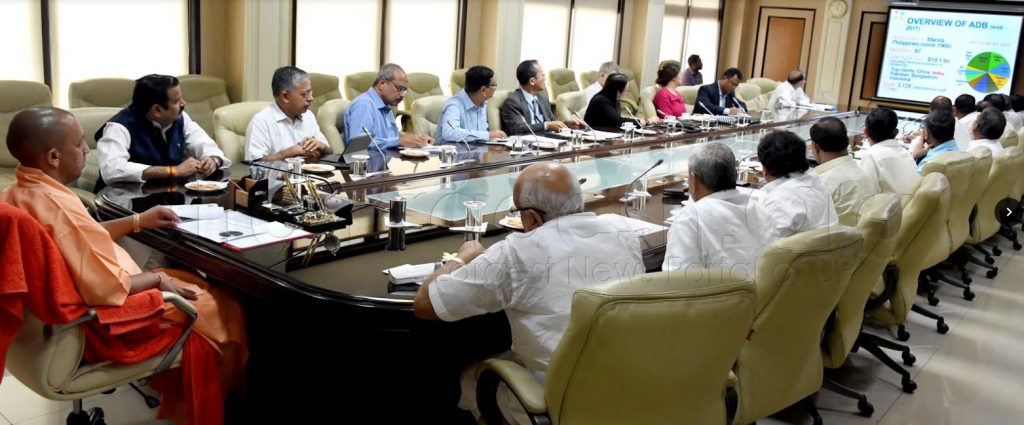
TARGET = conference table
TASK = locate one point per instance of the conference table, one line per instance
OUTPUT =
(331, 338)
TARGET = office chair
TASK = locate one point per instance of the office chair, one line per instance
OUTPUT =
(325, 88)
(426, 114)
(203, 94)
(959, 169)
(331, 119)
(17, 95)
(230, 122)
(104, 92)
(1006, 165)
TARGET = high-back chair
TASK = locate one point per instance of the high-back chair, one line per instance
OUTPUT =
(91, 120)
(689, 94)
(766, 85)
(48, 359)
(923, 223)
(588, 77)
(421, 84)
(799, 282)
(203, 94)
(325, 88)
(426, 114)
(567, 103)
(494, 108)
(959, 168)
(331, 118)
(647, 108)
(106, 92)
(358, 83)
(748, 92)
(668, 61)
(878, 221)
(630, 100)
(562, 80)
(628, 354)
(1009, 138)
(231, 122)
(458, 81)
(1006, 166)
(17, 95)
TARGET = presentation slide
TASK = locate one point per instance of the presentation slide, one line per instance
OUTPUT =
(944, 52)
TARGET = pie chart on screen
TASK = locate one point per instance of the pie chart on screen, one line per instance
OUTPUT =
(988, 72)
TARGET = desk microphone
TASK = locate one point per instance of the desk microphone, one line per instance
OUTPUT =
(373, 141)
(260, 164)
(535, 139)
(656, 164)
(577, 115)
(705, 107)
(458, 131)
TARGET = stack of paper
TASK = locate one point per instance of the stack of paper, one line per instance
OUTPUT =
(198, 211)
(409, 273)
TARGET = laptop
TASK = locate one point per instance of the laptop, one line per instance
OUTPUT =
(359, 145)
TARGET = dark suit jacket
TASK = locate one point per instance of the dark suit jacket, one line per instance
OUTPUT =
(603, 114)
(515, 108)
(708, 94)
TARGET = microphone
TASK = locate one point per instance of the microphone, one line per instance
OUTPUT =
(458, 131)
(577, 115)
(373, 141)
(705, 107)
(260, 164)
(627, 197)
(535, 139)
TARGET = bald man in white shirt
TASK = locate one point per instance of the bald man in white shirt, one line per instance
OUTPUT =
(725, 228)
(987, 130)
(885, 161)
(533, 275)
(795, 196)
(789, 93)
(849, 184)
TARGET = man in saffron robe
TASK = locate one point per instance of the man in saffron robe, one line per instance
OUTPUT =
(49, 144)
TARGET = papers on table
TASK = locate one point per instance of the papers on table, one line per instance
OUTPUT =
(600, 135)
(643, 228)
(234, 229)
(198, 211)
(529, 138)
(276, 233)
(410, 273)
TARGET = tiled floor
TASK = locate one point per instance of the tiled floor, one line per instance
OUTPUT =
(972, 375)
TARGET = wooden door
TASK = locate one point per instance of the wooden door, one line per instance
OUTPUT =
(782, 47)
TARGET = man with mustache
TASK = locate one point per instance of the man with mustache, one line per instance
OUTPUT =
(153, 138)
(286, 128)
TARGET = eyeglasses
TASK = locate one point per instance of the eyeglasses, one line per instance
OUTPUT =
(305, 94)
(401, 89)
(516, 210)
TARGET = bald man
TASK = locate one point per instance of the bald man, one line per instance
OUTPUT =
(532, 275)
(790, 93)
(50, 147)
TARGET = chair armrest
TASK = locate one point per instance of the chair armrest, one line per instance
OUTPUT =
(522, 383)
(51, 330)
(190, 311)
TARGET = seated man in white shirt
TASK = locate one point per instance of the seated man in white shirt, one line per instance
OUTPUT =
(885, 161)
(607, 68)
(724, 228)
(532, 275)
(153, 138)
(987, 130)
(790, 93)
(849, 184)
(795, 196)
(286, 128)
(1002, 103)
(966, 111)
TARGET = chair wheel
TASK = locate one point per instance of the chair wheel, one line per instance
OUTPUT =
(865, 408)
(932, 299)
(909, 386)
(96, 417)
(992, 273)
(968, 295)
(996, 251)
(152, 402)
(80, 418)
(966, 279)
(990, 260)
(942, 327)
(908, 358)
(1016, 246)
(902, 334)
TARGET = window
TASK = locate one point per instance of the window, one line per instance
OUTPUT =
(673, 29)
(147, 37)
(594, 34)
(22, 52)
(545, 32)
(337, 38)
(702, 36)
(422, 35)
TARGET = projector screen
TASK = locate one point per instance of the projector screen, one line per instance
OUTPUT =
(945, 52)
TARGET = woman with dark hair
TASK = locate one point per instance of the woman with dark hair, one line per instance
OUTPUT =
(667, 100)
(603, 111)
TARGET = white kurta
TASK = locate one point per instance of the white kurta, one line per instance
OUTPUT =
(992, 145)
(799, 203)
(964, 132)
(112, 148)
(591, 90)
(724, 230)
(850, 187)
(785, 95)
(1013, 120)
(532, 276)
(271, 131)
(891, 166)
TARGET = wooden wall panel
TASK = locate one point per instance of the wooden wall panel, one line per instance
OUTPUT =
(784, 39)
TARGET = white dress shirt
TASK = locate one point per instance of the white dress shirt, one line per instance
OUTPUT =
(992, 145)
(965, 129)
(113, 156)
(799, 203)
(724, 230)
(533, 275)
(591, 90)
(1013, 120)
(271, 131)
(785, 95)
(891, 166)
(850, 187)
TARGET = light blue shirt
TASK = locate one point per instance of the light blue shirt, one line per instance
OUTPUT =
(469, 120)
(949, 146)
(369, 110)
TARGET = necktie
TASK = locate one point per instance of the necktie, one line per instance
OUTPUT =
(537, 117)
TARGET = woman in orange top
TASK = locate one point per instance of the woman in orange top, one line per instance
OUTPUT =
(667, 101)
